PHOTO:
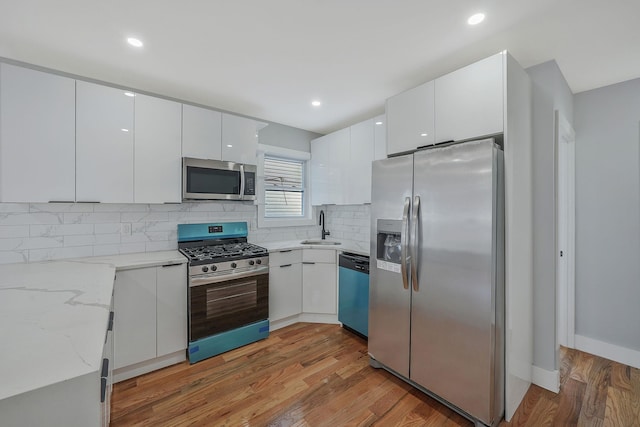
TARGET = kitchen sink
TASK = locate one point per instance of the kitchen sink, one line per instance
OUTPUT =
(319, 242)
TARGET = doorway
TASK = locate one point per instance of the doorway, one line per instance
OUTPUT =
(565, 237)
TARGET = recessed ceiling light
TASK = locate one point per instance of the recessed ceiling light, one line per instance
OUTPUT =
(229, 145)
(378, 123)
(316, 103)
(475, 19)
(134, 42)
(423, 134)
(124, 130)
(130, 94)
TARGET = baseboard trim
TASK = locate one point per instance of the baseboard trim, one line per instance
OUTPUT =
(613, 352)
(546, 379)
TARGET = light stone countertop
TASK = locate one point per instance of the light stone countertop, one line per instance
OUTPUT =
(54, 316)
(344, 246)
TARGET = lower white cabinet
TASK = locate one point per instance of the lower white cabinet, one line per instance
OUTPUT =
(150, 307)
(285, 284)
(319, 281)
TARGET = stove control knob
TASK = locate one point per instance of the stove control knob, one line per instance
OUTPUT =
(214, 268)
(258, 261)
(234, 265)
(251, 262)
(205, 269)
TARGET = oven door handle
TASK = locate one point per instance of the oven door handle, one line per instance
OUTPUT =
(223, 277)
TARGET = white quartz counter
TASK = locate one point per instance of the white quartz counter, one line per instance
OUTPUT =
(54, 315)
(53, 318)
(344, 246)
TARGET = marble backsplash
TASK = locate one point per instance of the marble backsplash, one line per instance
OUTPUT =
(39, 232)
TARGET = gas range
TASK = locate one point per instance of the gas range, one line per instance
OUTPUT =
(228, 287)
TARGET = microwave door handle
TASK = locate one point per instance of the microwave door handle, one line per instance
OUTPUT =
(241, 181)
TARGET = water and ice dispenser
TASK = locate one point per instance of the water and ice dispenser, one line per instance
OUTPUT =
(388, 247)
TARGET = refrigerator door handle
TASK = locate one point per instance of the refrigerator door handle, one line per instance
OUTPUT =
(414, 242)
(404, 244)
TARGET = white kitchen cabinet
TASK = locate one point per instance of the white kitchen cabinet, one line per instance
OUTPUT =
(150, 306)
(201, 133)
(380, 137)
(358, 168)
(171, 309)
(285, 284)
(320, 171)
(319, 281)
(104, 144)
(157, 152)
(135, 316)
(469, 102)
(329, 170)
(410, 119)
(240, 139)
(37, 136)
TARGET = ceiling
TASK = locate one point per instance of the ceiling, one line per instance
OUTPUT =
(269, 58)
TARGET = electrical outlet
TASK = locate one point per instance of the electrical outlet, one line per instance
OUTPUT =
(125, 229)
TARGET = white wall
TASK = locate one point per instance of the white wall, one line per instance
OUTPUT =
(550, 92)
(38, 232)
(607, 124)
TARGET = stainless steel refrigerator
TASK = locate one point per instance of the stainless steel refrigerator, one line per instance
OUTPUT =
(436, 313)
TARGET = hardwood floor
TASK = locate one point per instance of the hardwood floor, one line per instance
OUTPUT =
(319, 375)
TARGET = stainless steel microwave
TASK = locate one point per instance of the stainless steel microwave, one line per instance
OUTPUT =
(204, 179)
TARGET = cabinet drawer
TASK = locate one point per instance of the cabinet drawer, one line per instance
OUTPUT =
(319, 255)
(285, 257)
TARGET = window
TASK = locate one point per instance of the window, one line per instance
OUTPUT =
(283, 188)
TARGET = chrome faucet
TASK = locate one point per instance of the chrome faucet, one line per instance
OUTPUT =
(321, 222)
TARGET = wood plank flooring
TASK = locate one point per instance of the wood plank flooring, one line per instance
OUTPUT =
(319, 375)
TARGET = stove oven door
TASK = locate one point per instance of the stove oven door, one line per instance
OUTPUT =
(225, 302)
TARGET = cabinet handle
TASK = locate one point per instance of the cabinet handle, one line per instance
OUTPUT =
(285, 265)
(88, 201)
(105, 368)
(172, 265)
(103, 389)
(308, 262)
(61, 201)
(286, 250)
(111, 315)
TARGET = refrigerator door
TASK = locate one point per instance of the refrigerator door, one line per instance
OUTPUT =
(389, 294)
(453, 301)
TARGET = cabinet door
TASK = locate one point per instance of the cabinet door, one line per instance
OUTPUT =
(318, 288)
(104, 144)
(171, 309)
(469, 101)
(201, 133)
(285, 291)
(37, 136)
(380, 138)
(240, 139)
(320, 171)
(135, 316)
(157, 155)
(339, 143)
(361, 152)
(410, 119)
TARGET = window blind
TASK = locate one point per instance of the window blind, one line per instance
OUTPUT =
(283, 187)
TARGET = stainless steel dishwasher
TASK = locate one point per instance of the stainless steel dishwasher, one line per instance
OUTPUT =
(353, 294)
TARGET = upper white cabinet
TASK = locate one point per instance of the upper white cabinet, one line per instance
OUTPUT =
(201, 133)
(240, 139)
(361, 154)
(470, 101)
(104, 144)
(410, 119)
(157, 155)
(37, 136)
(320, 171)
(329, 164)
(380, 137)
